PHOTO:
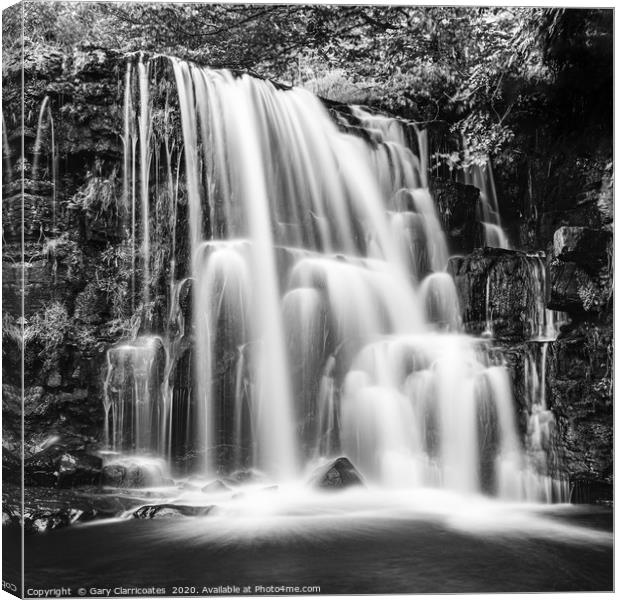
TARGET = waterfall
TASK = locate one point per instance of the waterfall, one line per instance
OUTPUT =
(131, 395)
(541, 424)
(45, 116)
(481, 176)
(144, 128)
(323, 320)
(546, 323)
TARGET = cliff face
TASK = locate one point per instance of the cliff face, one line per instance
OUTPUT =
(80, 271)
(581, 370)
(73, 232)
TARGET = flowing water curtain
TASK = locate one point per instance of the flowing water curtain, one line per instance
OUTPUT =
(132, 402)
(44, 145)
(480, 174)
(546, 323)
(323, 320)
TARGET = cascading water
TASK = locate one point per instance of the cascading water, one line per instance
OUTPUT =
(546, 323)
(541, 423)
(323, 319)
(129, 158)
(132, 404)
(46, 118)
(144, 129)
(481, 176)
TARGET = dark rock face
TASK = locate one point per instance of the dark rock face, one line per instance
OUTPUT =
(66, 202)
(580, 373)
(56, 467)
(497, 291)
(558, 183)
(580, 381)
(170, 511)
(580, 271)
(581, 245)
(339, 474)
(456, 206)
(566, 279)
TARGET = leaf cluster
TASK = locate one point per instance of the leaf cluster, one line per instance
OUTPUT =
(483, 70)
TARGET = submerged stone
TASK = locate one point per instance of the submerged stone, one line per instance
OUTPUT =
(338, 474)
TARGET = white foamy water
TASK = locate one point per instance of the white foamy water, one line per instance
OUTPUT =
(324, 322)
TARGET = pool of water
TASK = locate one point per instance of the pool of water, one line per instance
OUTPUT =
(351, 542)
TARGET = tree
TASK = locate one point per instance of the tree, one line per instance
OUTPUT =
(481, 71)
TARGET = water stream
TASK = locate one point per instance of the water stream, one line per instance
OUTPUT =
(45, 124)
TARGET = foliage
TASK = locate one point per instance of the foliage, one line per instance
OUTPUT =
(481, 70)
(99, 195)
(51, 326)
(68, 251)
(11, 332)
(48, 331)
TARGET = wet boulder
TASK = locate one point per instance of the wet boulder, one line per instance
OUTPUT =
(336, 475)
(130, 474)
(78, 469)
(56, 466)
(114, 475)
(170, 511)
(45, 519)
